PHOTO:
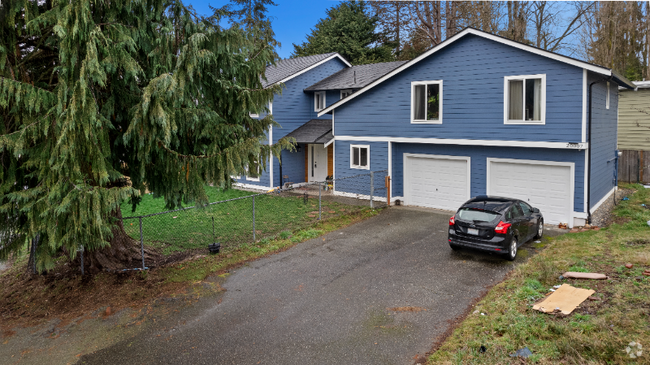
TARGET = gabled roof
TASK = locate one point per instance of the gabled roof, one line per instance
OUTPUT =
(289, 68)
(315, 131)
(355, 77)
(616, 77)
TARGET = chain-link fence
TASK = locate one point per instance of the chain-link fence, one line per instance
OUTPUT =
(241, 220)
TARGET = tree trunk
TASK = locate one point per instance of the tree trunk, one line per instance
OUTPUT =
(123, 252)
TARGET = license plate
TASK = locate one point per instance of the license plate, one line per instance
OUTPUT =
(473, 231)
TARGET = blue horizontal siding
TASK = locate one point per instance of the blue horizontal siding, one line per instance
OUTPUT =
(473, 71)
(294, 107)
(361, 184)
(479, 155)
(603, 138)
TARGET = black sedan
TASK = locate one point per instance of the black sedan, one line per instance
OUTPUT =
(495, 224)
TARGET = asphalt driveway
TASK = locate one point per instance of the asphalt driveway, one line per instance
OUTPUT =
(378, 292)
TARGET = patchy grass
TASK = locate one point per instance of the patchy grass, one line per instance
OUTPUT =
(233, 221)
(27, 299)
(598, 331)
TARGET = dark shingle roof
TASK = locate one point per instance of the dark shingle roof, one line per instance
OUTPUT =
(290, 66)
(314, 131)
(362, 74)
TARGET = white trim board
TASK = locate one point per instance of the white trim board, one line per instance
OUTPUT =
(468, 142)
(584, 105)
(570, 165)
(581, 64)
(311, 68)
(604, 199)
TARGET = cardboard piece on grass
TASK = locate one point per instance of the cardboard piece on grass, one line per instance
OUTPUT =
(566, 299)
(584, 275)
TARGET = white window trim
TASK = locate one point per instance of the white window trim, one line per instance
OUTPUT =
(317, 94)
(506, 99)
(253, 115)
(421, 121)
(346, 91)
(607, 100)
(256, 179)
(352, 166)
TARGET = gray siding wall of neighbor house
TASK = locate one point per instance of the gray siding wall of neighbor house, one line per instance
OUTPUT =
(478, 160)
(378, 161)
(634, 120)
(472, 71)
(603, 138)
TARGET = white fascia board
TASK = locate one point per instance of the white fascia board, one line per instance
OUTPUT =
(328, 143)
(468, 142)
(449, 41)
(312, 67)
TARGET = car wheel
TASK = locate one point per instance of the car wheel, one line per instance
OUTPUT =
(540, 229)
(513, 249)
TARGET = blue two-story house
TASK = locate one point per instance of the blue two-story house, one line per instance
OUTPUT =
(310, 84)
(481, 114)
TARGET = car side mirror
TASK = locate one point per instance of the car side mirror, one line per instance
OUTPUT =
(535, 210)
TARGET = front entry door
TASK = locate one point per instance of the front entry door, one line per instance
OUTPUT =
(317, 162)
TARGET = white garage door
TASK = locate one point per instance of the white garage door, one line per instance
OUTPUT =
(435, 181)
(544, 185)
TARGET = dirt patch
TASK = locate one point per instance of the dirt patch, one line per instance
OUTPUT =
(406, 309)
(638, 242)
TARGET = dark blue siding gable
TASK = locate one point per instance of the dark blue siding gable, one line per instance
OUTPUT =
(472, 71)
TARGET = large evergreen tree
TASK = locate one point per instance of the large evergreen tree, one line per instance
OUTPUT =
(350, 31)
(93, 92)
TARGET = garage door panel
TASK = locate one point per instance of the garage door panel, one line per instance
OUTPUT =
(544, 186)
(436, 182)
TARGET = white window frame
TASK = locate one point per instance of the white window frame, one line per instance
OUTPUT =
(253, 115)
(506, 99)
(359, 146)
(249, 178)
(317, 96)
(345, 93)
(607, 100)
(426, 121)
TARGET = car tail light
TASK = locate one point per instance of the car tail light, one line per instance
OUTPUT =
(452, 220)
(502, 227)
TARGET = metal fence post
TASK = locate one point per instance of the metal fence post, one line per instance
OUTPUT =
(141, 243)
(372, 186)
(319, 200)
(253, 218)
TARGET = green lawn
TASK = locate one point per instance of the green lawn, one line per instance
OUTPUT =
(598, 331)
(233, 221)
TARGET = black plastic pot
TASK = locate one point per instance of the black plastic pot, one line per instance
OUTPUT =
(214, 247)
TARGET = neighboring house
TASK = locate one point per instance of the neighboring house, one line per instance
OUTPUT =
(481, 114)
(634, 132)
(311, 84)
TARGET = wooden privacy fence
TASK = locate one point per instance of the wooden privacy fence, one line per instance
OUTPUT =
(634, 167)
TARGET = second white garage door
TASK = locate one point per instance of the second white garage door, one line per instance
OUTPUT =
(436, 181)
(544, 185)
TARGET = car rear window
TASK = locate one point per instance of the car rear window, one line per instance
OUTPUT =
(475, 215)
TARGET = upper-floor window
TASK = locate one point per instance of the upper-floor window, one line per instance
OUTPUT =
(607, 100)
(426, 102)
(525, 99)
(345, 93)
(254, 115)
(319, 101)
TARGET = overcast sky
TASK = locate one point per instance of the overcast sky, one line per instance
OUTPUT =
(292, 19)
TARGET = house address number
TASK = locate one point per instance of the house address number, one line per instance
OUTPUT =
(574, 145)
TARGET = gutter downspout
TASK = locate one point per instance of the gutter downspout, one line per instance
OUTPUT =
(590, 147)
